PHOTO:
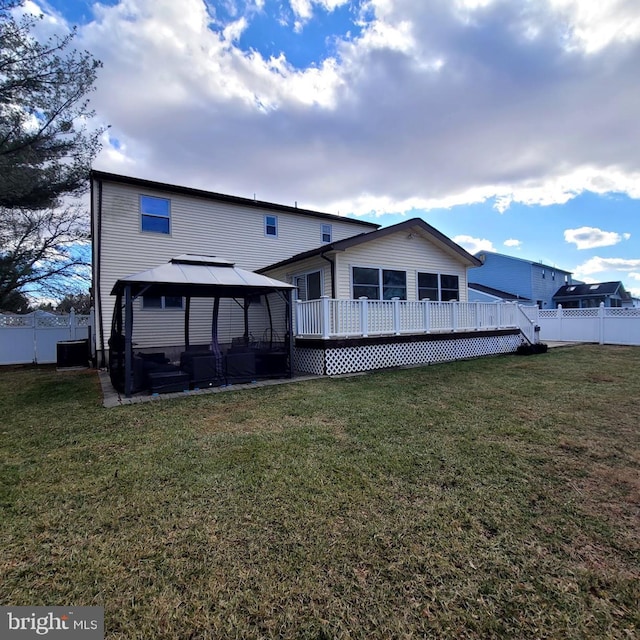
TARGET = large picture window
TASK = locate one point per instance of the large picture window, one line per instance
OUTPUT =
(379, 284)
(438, 287)
(155, 214)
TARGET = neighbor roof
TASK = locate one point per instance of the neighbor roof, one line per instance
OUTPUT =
(496, 292)
(414, 224)
(539, 264)
(221, 197)
(594, 289)
(199, 276)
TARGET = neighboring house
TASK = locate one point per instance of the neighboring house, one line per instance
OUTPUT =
(360, 287)
(482, 293)
(526, 279)
(582, 296)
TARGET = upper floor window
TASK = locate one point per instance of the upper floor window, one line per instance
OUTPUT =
(438, 287)
(162, 302)
(271, 226)
(155, 214)
(379, 284)
(326, 233)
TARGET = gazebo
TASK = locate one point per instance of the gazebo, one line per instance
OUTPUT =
(241, 359)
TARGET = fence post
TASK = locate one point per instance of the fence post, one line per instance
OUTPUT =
(499, 315)
(559, 313)
(454, 316)
(601, 322)
(73, 325)
(396, 316)
(364, 316)
(326, 320)
(426, 312)
(478, 322)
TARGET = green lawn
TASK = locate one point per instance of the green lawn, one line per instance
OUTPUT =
(494, 498)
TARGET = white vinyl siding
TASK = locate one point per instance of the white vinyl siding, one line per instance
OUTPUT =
(198, 226)
(290, 272)
(398, 251)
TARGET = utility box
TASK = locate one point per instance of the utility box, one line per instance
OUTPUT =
(72, 354)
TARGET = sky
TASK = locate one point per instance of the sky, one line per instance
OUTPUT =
(509, 125)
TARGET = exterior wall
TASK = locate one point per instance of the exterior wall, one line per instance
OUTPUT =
(287, 273)
(521, 277)
(545, 281)
(198, 225)
(398, 251)
(504, 273)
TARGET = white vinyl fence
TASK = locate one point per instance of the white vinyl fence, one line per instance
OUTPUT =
(604, 325)
(32, 338)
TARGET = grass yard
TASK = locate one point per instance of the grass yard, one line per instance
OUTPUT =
(495, 498)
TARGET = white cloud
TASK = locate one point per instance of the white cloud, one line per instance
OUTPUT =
(432, 104)
(591, 237)
(594, 24)
(473, 245)
(512, 242)
(634, 275)
(603, 265)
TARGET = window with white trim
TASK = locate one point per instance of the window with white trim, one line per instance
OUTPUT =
(438, 287)
(271, 226)
(155, 214)
(162, 302)
(309, 285)
(379, 284)
(326, 233)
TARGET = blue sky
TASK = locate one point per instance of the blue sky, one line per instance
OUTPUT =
(510, 126)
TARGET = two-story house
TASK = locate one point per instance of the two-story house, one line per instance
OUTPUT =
(510, 278)
(361, 289)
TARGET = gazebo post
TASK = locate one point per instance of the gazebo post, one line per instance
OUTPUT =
(187, 312)
(128, 343)
(289, 301)
(247, 302)
(215, 347)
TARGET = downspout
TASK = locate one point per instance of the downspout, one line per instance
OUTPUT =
(98, 260)
(333, 274)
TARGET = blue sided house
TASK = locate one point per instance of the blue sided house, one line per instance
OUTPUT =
(509, 278)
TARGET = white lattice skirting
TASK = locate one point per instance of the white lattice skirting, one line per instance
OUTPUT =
(331, 361)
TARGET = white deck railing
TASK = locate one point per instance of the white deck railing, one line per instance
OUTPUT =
(329, 318)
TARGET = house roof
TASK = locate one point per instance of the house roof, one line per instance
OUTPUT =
(414, 224)
(590, 290)
(533, 262)
(221, 197)
(504, 295)
(199, 276)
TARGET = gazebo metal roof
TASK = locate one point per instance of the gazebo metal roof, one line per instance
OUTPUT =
(199, 276)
